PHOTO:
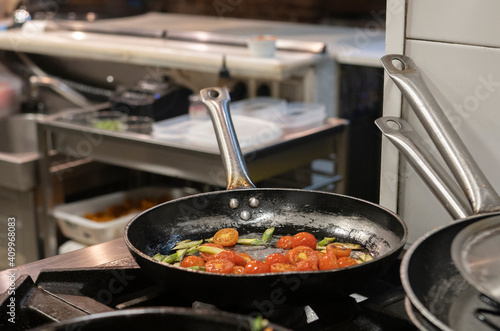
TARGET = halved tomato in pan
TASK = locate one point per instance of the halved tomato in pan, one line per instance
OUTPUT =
(285, 242)
(226, 237)
(256, 267)
(304, 239)
(219, 266)
(302, 253)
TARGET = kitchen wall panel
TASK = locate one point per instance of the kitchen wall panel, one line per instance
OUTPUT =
(467, 87)
(456, 46)
(458, 21)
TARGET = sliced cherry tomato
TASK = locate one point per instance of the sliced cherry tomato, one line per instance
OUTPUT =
(219, 266)
(333, 256)
(304, 239)
(237, 269)
(346, 262)
(243, 258)
(276, 258)
(323, 253)
(191, 261)
(327, 262)
(226, 237)
(307, 265)
(302, 253)
(285, 242)
(239, 260)
(256, 267)
(283, 267)
(207, 256)
(226, 255)
(338, 250)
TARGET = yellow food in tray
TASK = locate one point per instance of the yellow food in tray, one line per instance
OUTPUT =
(128, 207)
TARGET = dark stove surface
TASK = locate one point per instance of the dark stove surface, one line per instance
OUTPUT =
(63, 294)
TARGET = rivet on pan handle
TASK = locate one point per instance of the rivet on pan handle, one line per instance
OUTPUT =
(474, 183)
(216, 99)
(410, 144)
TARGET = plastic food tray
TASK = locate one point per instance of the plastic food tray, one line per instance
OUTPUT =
(75, 226)
(300, 116)
(251, 132)
(262, 107)
(290, 117)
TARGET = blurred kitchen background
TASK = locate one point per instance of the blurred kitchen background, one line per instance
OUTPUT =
(57, 69)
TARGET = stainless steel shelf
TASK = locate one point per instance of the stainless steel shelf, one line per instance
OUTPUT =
(172, 158)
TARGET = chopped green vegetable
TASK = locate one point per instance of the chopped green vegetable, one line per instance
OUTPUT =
(192, 250)
(197, 267)
(326, 241)
(362, 257)
(158, 257)
(180, 254)
(258, 323)
(175, 257)
(113, 125)
(210, 249)
(170, 258)
(187, 244)
(349, 245)
(250, 241)
(267, 234)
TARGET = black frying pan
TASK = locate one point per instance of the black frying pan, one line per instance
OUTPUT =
(436, 289)
(288, 210)
(439, 297)
(158, 318)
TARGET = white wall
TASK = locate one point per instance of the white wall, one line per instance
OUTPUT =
(456, 46)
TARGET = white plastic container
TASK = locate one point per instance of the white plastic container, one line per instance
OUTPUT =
(75, 226)
(261, 107)
(252, 133)
(263, 46)
(290, 117)
(300, 116)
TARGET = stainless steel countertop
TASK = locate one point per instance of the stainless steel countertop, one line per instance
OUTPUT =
(92, 256)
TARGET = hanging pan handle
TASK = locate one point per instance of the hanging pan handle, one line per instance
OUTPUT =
(216, 99)
(474, 183)
(410, 144)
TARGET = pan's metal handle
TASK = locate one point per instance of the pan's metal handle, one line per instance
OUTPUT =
(410, 144)
(216, 99)
(474, 183)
